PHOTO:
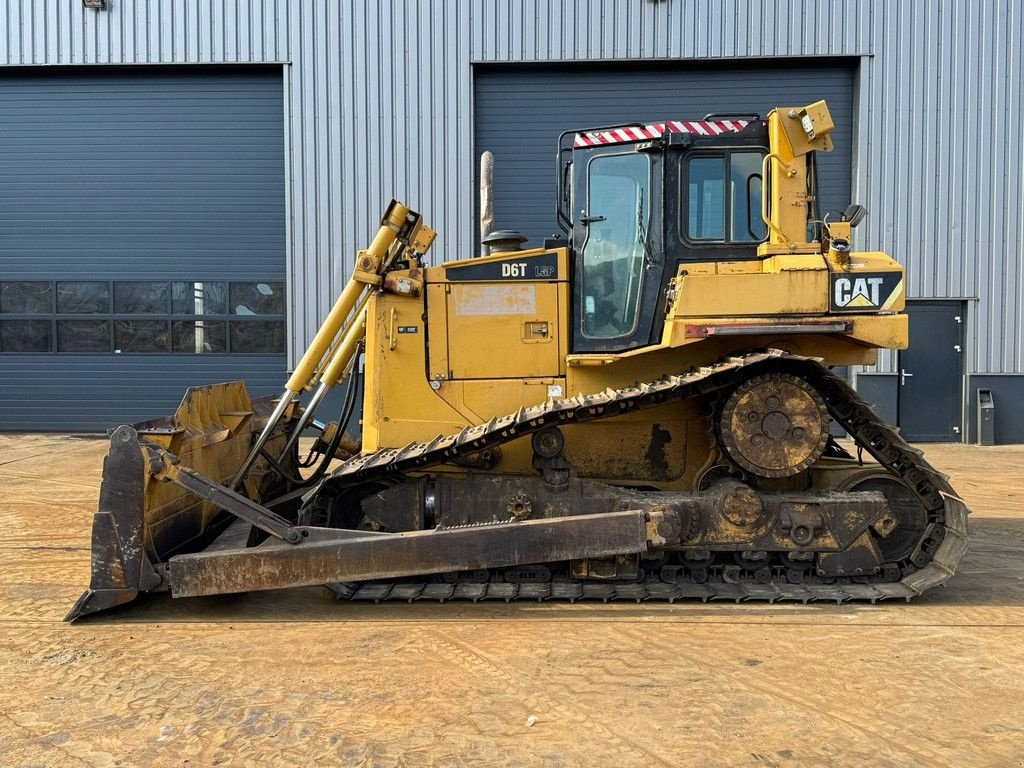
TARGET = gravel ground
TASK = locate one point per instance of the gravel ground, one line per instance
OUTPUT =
(295, 678)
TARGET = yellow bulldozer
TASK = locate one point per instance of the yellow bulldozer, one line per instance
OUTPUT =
(642, 409)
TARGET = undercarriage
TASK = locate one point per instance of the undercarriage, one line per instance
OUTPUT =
(780, 510)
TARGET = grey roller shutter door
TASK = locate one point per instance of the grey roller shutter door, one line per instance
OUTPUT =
(521, 110)
(140, 174)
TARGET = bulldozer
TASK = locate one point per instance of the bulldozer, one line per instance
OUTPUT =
(644, 408)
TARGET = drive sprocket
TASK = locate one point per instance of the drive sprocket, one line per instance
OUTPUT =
(774, 425)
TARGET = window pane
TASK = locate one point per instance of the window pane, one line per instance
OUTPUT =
(140, 336)
(26, 298)
(83, 298)
(706, 204)
(199, 336)
(257, 298)
(83, 335)
(148, 298)
(618, 190)
(257, 336)
(745, 189)
(25, 336)
(199, 298)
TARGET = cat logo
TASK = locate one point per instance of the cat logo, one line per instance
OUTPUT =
(865, 292)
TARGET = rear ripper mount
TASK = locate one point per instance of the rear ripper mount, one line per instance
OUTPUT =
(301, 555)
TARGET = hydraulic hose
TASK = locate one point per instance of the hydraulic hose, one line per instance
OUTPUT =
(347, 409)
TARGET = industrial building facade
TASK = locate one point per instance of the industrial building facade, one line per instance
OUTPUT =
(184, 184)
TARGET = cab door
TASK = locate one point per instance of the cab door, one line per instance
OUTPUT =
(618, 246)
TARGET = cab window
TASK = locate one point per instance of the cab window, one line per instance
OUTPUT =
(617, 219)
(723, 194)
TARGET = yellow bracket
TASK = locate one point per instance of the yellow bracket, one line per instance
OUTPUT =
(764, 195)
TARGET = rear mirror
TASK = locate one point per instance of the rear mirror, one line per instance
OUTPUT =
(855, 214)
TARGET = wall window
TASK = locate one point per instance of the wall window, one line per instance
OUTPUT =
(26, 336)
(724, 198)
(26, 298)
(83, 335)
(201, 337)
(257, 298)
(142, 316)
(205, 298)
(141, 298)
(83, 298)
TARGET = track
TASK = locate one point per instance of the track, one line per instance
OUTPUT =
(935, 559)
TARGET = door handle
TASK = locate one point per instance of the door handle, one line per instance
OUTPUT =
(591, 219)
(904, 376)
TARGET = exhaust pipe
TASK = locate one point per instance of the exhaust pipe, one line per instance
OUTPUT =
(486, 199)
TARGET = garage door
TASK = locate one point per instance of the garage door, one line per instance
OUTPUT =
(142, 240)
(520, 111)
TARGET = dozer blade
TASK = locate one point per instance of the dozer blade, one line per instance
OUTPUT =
(141, 521)
(329, 555)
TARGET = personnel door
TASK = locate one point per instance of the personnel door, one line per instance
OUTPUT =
(930, 383)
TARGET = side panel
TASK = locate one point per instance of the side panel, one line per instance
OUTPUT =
(502, 330)
(486, 339)
(781, 293)
(399, 405)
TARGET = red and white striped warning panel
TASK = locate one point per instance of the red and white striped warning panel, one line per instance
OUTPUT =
(657, 130)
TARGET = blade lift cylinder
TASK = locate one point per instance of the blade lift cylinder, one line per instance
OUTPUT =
(334, 344)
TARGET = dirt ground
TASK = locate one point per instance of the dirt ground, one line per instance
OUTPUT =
(295, 678)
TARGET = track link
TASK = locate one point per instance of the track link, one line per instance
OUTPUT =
(933, 561)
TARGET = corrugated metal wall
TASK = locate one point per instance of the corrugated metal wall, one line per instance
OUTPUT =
(940, 163)
(379, 102)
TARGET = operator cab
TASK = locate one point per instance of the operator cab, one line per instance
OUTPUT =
(639, 200)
